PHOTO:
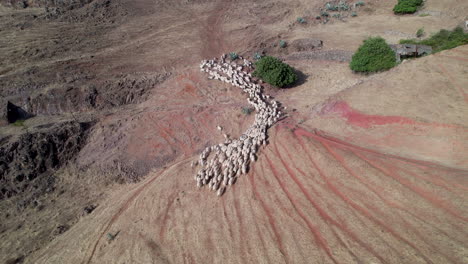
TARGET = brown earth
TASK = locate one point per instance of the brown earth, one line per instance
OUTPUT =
(365, 169)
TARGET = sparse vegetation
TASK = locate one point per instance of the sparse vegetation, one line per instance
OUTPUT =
(360, 3)
(444, 39)
(354, 14)
(282, 44)
(373, 55)
(275, 72)
(407, 6)
(257, 56)
(301, 20)
(420, 33)
(424, 15)
(233, 56)
(19, 123)
(324, 14)
(247, 110)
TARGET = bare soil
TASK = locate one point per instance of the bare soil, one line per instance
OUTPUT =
(365, 169)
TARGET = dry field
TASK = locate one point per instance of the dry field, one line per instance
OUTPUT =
(365, 169)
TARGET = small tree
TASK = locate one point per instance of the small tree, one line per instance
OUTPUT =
(372, 56)
(274, 71)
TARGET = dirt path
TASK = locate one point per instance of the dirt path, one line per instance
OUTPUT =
(212, 31)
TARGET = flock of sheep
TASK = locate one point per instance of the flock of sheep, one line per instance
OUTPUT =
(231, 159)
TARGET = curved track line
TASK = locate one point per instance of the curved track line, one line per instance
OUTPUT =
(320, 240)
(271, 220)
(357, 207)
(124, 207)
(444, 205)
(323, 214)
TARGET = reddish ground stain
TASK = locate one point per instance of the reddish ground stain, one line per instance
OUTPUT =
(357, 118)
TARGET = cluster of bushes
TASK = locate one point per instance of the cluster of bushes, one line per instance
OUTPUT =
(407, 6)
(444, 39)
(342, 6)
(274, 71)
(373, 55)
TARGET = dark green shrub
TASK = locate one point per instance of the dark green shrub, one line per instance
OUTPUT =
(282, 44)
(407, 6)
(373, 55)
(444, 39)
(274, 71)
(360, 3)
(354, 14)
(324, 14)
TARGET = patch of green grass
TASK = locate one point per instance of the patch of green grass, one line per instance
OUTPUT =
(424, 15)
(373, 55)
(274, 71)
(420, 32)
(443, 40)
(19, 123)
(407, 6)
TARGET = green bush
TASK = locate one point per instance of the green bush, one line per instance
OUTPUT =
(407, 6)
(274, 71)
(282, 44)
(360, 3)
(444, 39)
(373, 55)
(354, 14)
(420, 32)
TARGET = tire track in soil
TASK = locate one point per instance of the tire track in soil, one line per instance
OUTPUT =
(322, 213)
(262, 239)
(444, 205)
(288, 213)
(452, 81)
(319, 239)
(271, 220)
(357, 207)
(241, 225)
(371, 187)
(124, 207)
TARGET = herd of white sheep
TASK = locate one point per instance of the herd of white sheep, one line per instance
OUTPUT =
(231, 159)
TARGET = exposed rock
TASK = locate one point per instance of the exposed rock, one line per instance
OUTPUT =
(306, 44)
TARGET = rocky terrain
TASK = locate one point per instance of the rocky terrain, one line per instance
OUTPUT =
(103, 108)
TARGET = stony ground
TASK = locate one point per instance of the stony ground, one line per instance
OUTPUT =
(366, 169)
